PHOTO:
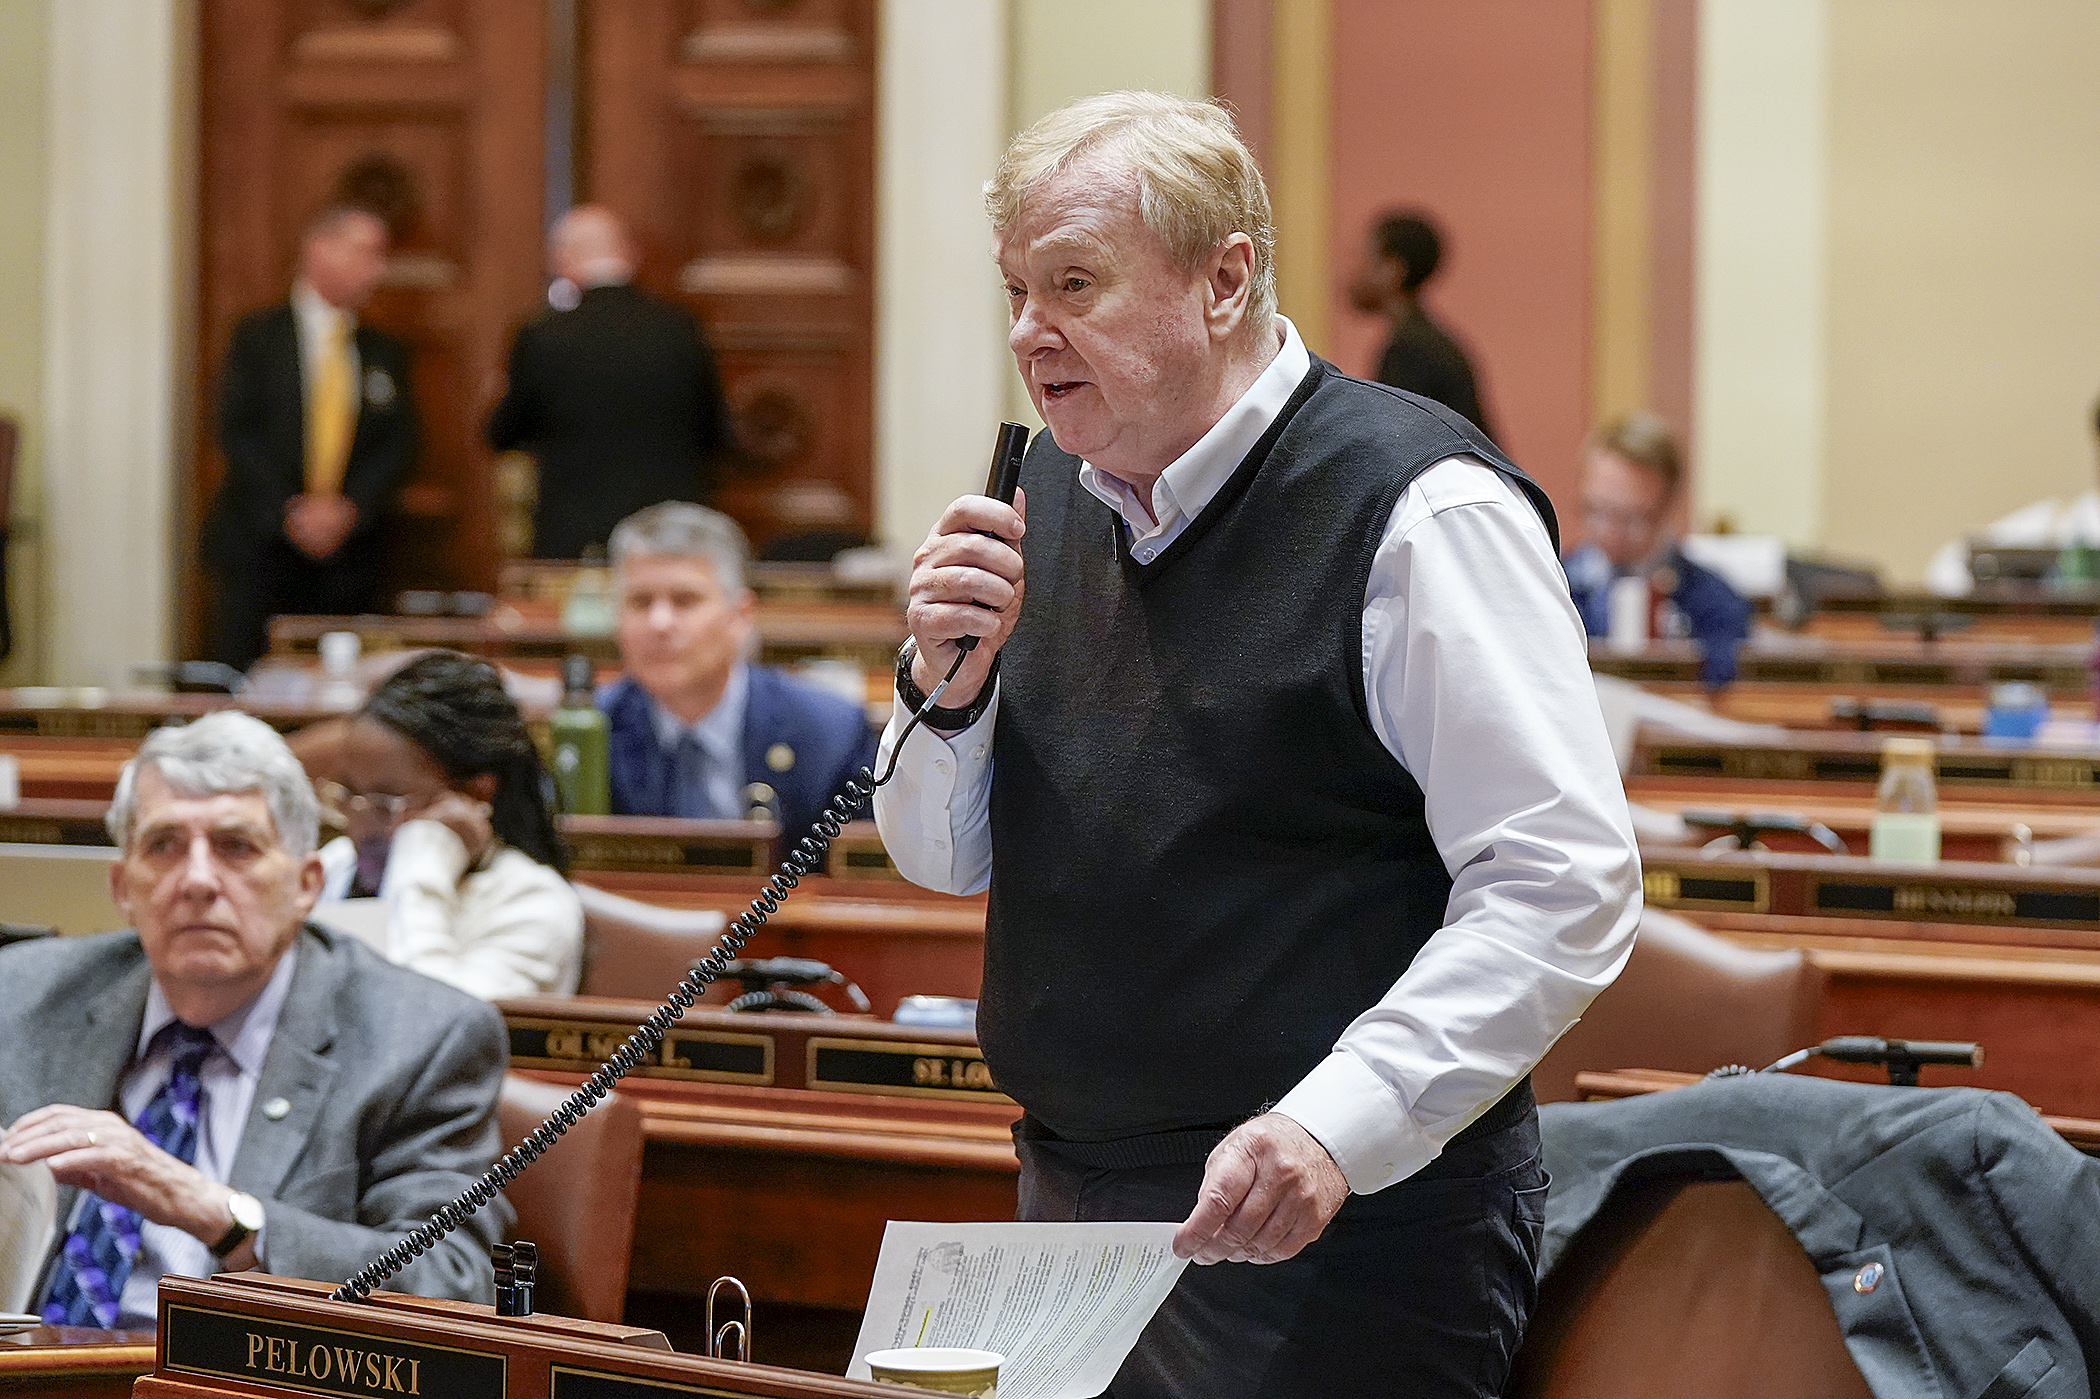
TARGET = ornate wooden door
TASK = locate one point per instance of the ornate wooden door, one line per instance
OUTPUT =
(434, 110)
(737, 137)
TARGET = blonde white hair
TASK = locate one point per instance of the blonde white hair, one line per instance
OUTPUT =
(1198, 184)
(225, 751)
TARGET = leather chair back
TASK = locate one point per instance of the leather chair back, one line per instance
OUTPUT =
(1685, 1287)
(1690, 1001)
(638, 951)
(577, 1202)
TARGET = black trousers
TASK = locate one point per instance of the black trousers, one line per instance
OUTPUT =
(260, 578)
(1421, 1289)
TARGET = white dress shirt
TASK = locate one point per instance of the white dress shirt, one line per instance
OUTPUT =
(228, 1078)
(314, 320)
(2046, 524)
(511, 928)
(1477, 674)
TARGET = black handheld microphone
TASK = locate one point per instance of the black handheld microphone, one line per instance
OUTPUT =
(1001, 483)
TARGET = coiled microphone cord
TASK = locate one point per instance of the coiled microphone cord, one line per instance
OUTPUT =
(806, 858)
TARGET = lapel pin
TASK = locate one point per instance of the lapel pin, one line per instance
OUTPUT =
(780, 757)
(276, 1109)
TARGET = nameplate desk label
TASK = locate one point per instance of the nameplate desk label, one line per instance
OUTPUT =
(902, 1068)
(1954, 903)
(303, 1359)
(1956, 767)
(579, 1046)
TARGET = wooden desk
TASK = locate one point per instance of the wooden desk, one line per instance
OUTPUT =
(2006, 957)
(1885, 665)
(1975, 833)
(74, 1362)
(788, 628)
(779, 1146)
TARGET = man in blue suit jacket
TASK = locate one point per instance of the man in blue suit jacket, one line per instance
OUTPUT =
(698, 731)
(1630, 479)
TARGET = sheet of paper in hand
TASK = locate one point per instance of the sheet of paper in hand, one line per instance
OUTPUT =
(1064, 1303)
(28, 1219)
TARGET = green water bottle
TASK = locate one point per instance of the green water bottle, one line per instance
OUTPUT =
(577, 737)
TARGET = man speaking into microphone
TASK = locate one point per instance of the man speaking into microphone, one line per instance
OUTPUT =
(1303, 835)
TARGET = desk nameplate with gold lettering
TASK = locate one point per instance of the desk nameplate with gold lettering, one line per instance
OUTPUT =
(1695, 886)
(579, 1046)
(1847, 758)
(300, 1358)
(900, 1069)
(1952, 902)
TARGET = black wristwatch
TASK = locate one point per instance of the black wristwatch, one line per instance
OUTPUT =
(939, 716)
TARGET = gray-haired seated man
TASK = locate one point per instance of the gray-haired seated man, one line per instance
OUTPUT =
(228, 1086)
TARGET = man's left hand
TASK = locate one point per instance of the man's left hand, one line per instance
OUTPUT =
(1268, 1191)
(100, 1151)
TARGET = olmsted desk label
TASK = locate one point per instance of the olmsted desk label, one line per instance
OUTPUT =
(321, 1359)
(579, 1046)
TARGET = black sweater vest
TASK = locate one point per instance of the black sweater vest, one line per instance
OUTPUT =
(1206, 864)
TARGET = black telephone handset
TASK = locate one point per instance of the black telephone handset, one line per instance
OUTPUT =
(804, 859)
(1001, 483)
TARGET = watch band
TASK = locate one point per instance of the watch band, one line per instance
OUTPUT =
(241, 1207)
(940, 716)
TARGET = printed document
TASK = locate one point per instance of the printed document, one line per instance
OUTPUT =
(28, 1219)
(1064, 1303)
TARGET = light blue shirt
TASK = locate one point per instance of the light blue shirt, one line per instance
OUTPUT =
(720, 732)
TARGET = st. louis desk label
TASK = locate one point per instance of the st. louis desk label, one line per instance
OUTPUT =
(323, 1360)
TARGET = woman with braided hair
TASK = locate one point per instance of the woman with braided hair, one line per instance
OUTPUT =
(447, 819)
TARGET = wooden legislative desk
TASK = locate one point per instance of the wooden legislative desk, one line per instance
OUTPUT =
(788, 628)
(1793, 705)
(2006, 957)
(249, 1334)
(1992, 799)
(73, 1362)
(778, 1146)
(1884, 665)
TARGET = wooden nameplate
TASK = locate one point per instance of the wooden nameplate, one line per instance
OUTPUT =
(251, 1334)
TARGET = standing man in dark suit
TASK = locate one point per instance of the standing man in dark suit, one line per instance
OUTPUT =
(228, 1086)
(1421, 357)
(616, 395)
(318, 429)
(696, 730)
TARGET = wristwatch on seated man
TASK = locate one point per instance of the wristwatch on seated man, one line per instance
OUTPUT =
(940, 717)
(247, 1214)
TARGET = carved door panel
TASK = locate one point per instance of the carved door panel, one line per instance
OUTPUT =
(431, 109)
(736, 137)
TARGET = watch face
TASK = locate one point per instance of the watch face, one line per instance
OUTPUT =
(247, 1211)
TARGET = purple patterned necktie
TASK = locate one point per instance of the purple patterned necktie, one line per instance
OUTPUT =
(87, 1281)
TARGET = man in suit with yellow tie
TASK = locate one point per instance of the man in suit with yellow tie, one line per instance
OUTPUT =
(318, 430)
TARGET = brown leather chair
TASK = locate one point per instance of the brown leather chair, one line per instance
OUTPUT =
(1683, 1286)
(638, 951)
(576, 1203)
(1690, 1001)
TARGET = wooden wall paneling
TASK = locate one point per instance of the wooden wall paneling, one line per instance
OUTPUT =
(435, 107)
(737, 139)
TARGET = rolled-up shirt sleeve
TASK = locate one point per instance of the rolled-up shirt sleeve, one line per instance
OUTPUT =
(1477, 679)
(935, 811)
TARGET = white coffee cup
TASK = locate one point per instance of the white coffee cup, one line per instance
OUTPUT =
(947, 1369)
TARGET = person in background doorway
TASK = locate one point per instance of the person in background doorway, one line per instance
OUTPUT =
(1631, 475)
(1421, 357)
(613, 391)
(318, 428)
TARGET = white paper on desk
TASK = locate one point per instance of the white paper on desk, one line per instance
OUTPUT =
(28, 1220)
(1064, 1303)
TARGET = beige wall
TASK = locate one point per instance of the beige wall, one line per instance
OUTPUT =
(1062, 49)
(23, 48)
(1963, 308)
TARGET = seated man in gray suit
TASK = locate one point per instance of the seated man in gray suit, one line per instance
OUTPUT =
(229, 1086)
